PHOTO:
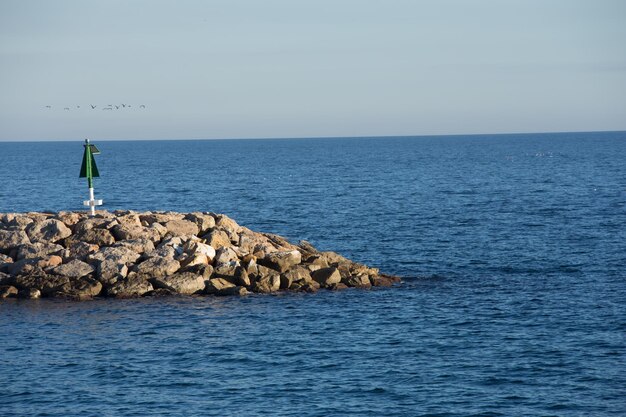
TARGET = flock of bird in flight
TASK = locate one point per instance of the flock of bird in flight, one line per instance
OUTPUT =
(107, 107)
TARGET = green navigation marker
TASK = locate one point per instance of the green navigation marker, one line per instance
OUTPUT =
(89, 170)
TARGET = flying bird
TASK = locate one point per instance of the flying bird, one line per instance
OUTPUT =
(117, 107)
(92, 106)
(143, 106)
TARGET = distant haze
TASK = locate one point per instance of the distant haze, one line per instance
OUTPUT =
(286, 68)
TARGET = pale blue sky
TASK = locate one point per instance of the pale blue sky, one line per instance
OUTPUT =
(288, 68)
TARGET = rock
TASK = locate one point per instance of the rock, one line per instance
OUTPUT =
(224, 222)
(215, 285)
(226, 270)
(181, 228)
(119, 254)
(226, 255)
(5, 259)
(236, 290)
(384, 281)
(48, 231)
(80, 250)
(50, 261)
(8, 291)
(266, 282)
(157, 228)
(22, 266)
(68, 218)
(6, 279)
(74, 269)
(139, 246)
(81, 289)
(205, 270)
(296, 273)
(31, 293)
(181, 283)
(160, 292)
(202, 220)
(90, 223)
(132, 286)
(38, 250)
(158, 267)
(194, 259)
(160, 217)
(338, 286)
(217, 239)
(134, 230)
(110, 270)
(10, 239)
(359, 281)
(327, 276)
(46, 284)
(100, 237)
(281, 261)
(19, 221)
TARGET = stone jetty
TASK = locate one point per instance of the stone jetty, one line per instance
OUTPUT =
(126, 254)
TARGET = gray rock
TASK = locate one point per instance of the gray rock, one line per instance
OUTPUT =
(327, 276)
(119, 254)
(10, 239)
(110, 270)
(73, 269)
(181, 283)
(158, 267)
(22, 266)
(225, 255)
(50, 230)
(281, 261)
(132, 286)
(38, 250)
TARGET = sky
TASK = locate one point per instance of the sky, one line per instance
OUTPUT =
(289, 68)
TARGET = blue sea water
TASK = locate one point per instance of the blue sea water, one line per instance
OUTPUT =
(512, 249)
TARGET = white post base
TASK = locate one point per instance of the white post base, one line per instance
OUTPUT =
(92, 202)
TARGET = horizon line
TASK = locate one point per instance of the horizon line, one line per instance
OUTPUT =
(324, 137)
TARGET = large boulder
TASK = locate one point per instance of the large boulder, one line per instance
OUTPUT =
(217, 285)
(8, 291)
(119, 254)
(81, 289)
(217, 239)
(10, 239)
(50, 230)
(74, 269)
(359, 281)
(181, 228)
(327, 276)
(140, 246)
(79, 250)
(131, 286)
(281, 261)
(181, 282)
(157, 267)
(46, 284)
(94, 236)
(109, 270)
(204, 221)
(295, 274)
(38, 250)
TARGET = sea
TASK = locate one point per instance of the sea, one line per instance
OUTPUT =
(512, 250)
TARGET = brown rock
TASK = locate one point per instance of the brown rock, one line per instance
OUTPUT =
(216, 285)
(359, 281)
(217, 239)
(281, 261)
(327, 276)
(8, 291)
(204, 221)
(132, 286)
(100, 237)
(181, 228)
(38, 250)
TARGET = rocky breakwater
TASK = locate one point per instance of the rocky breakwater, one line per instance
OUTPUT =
(128, 254)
